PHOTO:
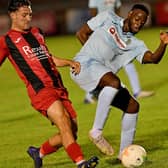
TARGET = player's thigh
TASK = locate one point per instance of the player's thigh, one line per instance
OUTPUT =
(58, 115)
(110, 79)
(90, 75)
(69, 108)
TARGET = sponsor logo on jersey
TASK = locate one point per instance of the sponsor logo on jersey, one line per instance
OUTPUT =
(36, 53)
(120, 43)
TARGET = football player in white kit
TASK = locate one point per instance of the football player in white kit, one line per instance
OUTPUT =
(97, 6)
(109, 45)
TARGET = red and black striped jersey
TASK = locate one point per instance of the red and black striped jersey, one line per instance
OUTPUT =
(30, 57)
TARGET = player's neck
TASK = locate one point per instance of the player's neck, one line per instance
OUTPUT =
(18, 29)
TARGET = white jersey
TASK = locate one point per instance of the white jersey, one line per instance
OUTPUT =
(103, 5)
(107, 49)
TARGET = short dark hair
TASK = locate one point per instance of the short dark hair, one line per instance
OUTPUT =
(13, 5)
(142, 7)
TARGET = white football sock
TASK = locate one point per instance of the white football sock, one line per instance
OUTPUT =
(41, 155)
(105, 98)
(128, 129)
(95, 133)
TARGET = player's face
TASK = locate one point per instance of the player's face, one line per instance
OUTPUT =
(137, 19)
(21, 18)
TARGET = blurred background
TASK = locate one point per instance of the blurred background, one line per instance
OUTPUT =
(57, 17)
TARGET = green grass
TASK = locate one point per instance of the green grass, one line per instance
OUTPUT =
(21, 125)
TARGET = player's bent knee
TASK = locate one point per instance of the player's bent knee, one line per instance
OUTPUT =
(133, 106)
(122, 99)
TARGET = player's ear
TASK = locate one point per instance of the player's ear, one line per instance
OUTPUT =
(12, 15)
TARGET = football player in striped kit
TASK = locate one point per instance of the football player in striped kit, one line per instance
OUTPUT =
(25, 47)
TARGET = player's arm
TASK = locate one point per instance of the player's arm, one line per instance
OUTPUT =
(92, 4)
(94, 23)
(83, 33)
(60, 62)
(93, 11)
(3, 50)
(156, 56)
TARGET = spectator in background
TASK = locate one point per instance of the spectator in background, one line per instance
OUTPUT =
(97, 6)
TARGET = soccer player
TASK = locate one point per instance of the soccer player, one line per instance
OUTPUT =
(97, 6)
(25, 47)
(110, 44)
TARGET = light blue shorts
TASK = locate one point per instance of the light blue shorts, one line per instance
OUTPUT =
(90, 75)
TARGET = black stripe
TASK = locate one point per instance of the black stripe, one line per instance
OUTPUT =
(23, 66)
(33, 42)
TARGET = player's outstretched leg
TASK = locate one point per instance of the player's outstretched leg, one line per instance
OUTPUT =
(91, 163)
(34, 154)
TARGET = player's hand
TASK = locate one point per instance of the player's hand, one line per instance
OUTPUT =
(164, 37)
(75, 67)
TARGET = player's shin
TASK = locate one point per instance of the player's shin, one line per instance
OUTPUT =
(105, 98)
(128, 128)
(75, 153)
(46, 149)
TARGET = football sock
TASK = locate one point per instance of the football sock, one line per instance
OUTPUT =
(75, 153)
(128, 130)
(46, 149)
(133, 78)
(105, 98)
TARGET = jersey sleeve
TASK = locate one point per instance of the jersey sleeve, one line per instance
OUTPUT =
(142, 49)
(98, 20)
(3, 50)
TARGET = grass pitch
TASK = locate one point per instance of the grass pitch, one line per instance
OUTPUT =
(21, 126)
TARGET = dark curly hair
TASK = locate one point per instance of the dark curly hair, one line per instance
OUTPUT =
(13, 5)
(142, 7)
